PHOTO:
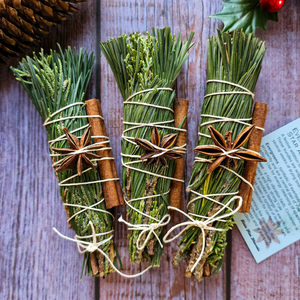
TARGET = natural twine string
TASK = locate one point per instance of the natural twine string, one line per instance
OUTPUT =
(150, 228)
(204, 225)
(246, 91)
(86, 149)
(139, 125)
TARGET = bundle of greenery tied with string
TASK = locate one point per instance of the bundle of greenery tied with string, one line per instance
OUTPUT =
(235, 59)
(145, 68)
(57, 85)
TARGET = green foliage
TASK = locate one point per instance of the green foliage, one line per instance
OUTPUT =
(244, 14)
(53, 82)
(236, 59)
(217, 251)
(141, 62)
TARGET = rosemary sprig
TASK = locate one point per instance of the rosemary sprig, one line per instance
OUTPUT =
(138, 63)
(235, 58)
(53, 82)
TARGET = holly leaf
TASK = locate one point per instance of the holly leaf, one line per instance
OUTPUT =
(244, 14)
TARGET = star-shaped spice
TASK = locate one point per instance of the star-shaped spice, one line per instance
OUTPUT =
(226, 144)
(268, 232)
(165, 143)
(74, 158)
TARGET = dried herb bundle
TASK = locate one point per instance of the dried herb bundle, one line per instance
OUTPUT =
(54, 82)
(235, 58)
(139, 63)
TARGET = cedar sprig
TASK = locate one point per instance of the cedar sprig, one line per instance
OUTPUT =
(141, 62)
(53, 82)
(218, 248)
(235, 58)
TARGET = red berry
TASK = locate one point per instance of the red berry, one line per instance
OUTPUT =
(271, 6)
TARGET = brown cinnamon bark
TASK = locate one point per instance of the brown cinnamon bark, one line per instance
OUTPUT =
(258, 119)
(180, 112)
(94, 264)
(111, 189)
(113, 165)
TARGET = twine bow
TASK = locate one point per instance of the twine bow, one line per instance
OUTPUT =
(203, 225)
(150, 228)
(94, 246)
(84, 246)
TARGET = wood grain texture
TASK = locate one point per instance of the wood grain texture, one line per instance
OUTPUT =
(277, 277)
(36, 264)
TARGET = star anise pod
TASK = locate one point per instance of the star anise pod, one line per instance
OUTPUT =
(226, 144)
(166, 143)
(77, 158)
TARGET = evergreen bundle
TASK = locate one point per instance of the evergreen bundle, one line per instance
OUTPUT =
(145, 68)
(233, 67)
(57, 85)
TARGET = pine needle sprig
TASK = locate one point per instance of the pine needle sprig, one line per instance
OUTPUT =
(53, 82)
(138, 63)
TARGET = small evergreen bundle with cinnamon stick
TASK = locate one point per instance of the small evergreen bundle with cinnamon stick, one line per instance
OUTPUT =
(57, 85)
(145, 68)
(233, 67)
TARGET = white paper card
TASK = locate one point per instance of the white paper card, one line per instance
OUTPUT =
(274, 219)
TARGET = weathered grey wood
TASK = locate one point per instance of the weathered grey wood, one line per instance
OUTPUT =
(35, 262)
(277, 277)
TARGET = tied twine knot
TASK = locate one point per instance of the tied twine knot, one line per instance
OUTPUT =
(94, 246)
(150, 228)
(87, 246)
(91, 248)
(84, 246)
(86, 149)
(203, 225)
(227, 153)
(200, 224)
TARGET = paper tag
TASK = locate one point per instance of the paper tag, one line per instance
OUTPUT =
(274, 219)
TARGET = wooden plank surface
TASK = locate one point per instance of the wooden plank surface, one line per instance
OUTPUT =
(36, 264)
(277, 277)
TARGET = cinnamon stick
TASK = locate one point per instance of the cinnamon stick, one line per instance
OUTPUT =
(113, 165)
(111, 189)
(94, 264)
(180, 112)
(258, 119)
